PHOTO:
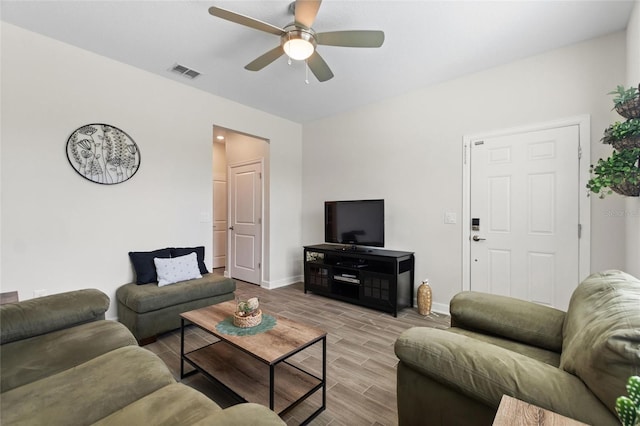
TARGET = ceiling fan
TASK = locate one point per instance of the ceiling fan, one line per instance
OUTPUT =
(298, 40)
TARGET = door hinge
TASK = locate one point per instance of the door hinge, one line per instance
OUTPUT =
(579, 152)
(260, 175)
(579, 230)
(259, 221)
(259, 265)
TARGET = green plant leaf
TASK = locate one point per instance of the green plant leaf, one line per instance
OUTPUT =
(622, 166)
(626, 410)
(623, 95)
(621, 130)
(633, 389)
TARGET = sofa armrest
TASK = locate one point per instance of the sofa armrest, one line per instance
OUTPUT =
(42, 315)
(515, 319)
(484, 372)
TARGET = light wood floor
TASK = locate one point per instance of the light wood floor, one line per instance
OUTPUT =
(361, 364)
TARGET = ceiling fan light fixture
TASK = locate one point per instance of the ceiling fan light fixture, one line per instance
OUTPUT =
(298, 44)
(298, 49)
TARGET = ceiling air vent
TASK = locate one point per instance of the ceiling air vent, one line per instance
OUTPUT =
(185, 71)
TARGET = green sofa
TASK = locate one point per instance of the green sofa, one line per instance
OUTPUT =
(575, 363)
(61, 363)
(148, 310)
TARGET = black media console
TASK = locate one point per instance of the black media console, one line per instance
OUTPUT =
(378, 279)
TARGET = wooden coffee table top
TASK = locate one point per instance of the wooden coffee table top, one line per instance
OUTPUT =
(271, 346)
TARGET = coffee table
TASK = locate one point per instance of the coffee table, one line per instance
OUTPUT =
(256, 368)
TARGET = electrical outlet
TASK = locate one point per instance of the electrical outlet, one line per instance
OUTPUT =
(40, 293)
(450, 217)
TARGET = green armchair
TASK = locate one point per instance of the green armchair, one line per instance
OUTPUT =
(575, 363)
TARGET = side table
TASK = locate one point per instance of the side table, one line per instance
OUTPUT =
(513, 412)
(9, 297)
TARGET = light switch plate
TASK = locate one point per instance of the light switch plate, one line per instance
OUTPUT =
(40, 293)
(450, 217)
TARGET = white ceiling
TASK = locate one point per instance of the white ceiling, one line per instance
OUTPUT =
(426, 42)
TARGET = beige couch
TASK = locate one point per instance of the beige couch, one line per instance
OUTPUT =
(575, 363)
(61, 363)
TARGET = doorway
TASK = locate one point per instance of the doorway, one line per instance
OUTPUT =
(240, 167)
(526, 211)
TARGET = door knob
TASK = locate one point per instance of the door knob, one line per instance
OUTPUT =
(476, 238)
(231, 228)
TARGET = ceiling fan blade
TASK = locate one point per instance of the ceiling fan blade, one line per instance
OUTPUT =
(319, 67)
(245, 20)
(265, 59)
(306, 11)
(354, 38)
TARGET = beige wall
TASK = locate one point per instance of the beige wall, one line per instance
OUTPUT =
(61, 232)
(219, 166)
(408, 150)
(219, 161)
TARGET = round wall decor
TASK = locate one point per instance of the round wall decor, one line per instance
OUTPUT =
(103, 154)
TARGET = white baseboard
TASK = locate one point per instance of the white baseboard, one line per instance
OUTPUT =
(270, 285)
(441, 308)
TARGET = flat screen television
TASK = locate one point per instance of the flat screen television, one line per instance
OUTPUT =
(356, 222)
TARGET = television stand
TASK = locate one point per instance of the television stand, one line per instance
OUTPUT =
(351, 248)
(375, 278)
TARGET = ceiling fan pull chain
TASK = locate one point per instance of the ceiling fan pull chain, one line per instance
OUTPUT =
(306, 71)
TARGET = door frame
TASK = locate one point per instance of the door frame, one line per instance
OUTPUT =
(584, 130)
(226, 221)
(260, 161)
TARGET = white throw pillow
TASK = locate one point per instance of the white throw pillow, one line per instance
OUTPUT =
(176, 269)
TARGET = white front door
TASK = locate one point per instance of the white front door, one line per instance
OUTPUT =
(245, 200)
(524, 213)
(219, 223)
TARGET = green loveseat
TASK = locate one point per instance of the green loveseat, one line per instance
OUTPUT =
(575, 363)
(148, 309)
(61, 363)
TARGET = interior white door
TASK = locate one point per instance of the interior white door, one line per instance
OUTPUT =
(524, 196)
(219, 223)
(245, 190)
